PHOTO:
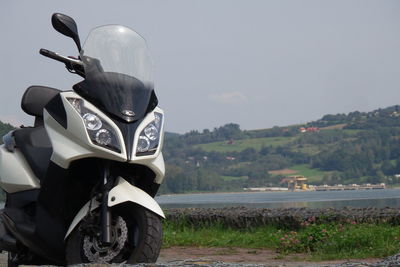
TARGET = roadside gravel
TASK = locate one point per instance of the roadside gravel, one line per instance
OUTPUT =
(391, 261)
(242, 217)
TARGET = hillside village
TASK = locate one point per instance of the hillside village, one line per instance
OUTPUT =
(344, 149)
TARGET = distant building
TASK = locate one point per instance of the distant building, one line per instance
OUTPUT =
(230, 142)
(309, 130)
(296, 182)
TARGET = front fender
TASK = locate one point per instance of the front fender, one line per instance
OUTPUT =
(122, 192)
(125, 192)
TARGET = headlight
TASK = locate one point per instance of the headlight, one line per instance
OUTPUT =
(100, 132)
(92, 122)
(149, 138)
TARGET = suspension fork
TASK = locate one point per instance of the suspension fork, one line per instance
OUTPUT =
(105, 212)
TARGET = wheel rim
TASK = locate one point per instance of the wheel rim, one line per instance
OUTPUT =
(95, 252)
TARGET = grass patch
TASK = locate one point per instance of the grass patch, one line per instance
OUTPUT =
(334, 127)
(219, 236)
(353, 131)
(313, 175)
(318, 241)
(309, 149)
(240, 145)
(234, 178)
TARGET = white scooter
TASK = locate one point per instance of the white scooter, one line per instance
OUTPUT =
(80, 184)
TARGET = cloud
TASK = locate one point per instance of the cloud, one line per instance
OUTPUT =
(230, 98)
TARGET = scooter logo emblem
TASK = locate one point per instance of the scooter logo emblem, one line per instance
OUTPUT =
(128, 113)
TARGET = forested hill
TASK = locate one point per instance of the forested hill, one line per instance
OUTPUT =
(358, 147)
(4, 128)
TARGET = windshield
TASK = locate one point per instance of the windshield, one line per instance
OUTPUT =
(119, 49)
(118, 73)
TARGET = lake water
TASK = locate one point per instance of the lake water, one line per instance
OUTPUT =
(312, 199)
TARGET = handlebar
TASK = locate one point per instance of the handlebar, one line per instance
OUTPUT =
(53, 55)
(73, 65)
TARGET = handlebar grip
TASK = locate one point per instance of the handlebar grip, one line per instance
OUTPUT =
(53, 55)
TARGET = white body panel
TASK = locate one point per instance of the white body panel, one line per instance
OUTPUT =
(156, 161)
(123, 192)
(81, 214)
(15, 173)
(74, 143)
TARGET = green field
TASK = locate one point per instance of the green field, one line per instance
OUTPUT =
(240, 145)
(313, 175)
(316, 242)
(309, 149)
(234, 178)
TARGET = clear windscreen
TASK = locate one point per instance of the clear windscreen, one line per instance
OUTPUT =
(118, 73)
(118, 49)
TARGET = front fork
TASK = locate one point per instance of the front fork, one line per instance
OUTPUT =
(105, 211)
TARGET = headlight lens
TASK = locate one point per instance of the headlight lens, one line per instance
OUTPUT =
(151, 132)
(100, 132)
(92, 122)
(143, 144)
(149, 138)
(103, 137)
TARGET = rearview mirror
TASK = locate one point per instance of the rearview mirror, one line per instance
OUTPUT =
(67, 26)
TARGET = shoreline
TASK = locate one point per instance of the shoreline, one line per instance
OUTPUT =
(316, 199)
(267, 191)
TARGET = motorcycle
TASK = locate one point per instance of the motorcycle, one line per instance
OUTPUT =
(80, 183)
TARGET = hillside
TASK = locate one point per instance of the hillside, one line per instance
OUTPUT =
(358, 147)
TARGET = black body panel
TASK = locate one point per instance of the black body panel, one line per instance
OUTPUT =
(128, 132)
(40, 218)
(64, 191)
(35, 145)
(114, 93)
(20, 215)
(56, 109)
(22, 199)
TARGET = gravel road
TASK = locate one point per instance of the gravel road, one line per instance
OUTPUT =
(386, 262)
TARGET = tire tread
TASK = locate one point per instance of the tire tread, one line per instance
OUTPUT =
(149, 244)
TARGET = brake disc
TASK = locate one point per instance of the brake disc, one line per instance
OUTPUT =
(96, 252)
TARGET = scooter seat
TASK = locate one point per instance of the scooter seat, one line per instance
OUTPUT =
(35, 99)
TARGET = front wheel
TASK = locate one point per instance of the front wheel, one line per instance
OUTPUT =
(136, 235)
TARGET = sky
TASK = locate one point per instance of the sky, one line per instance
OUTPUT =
(257, 63)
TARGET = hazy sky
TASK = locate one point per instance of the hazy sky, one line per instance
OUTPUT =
(255, 63)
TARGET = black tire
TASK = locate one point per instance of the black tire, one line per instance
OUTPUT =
(24, 258)
(143, 243)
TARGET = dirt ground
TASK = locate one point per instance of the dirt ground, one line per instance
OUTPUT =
(241, 255)
(206, 256)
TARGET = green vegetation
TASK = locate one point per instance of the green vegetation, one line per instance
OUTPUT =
(4, 129)
(358, 147)
(318, 241)
(240, 145)
(234, 178)
(313, 175)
